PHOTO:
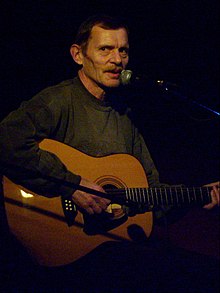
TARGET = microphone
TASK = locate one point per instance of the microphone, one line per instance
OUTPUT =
(127, 77)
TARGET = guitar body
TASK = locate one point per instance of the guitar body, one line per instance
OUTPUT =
(39, 223)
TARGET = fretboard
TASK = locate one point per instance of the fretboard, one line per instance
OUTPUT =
(175, 196)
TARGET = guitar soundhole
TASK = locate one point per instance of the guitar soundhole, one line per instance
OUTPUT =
(114, 210)
(110, 182)
(112, 217)
(109, 187)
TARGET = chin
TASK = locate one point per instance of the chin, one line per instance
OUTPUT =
(113, 84)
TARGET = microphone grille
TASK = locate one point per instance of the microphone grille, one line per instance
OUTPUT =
(125, 77)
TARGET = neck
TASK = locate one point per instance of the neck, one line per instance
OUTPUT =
(91, 86)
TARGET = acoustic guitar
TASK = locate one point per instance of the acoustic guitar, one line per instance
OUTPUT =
(55, 233)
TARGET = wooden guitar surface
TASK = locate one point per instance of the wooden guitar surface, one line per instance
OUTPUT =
(39, 223)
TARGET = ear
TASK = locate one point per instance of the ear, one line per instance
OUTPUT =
(76, 53)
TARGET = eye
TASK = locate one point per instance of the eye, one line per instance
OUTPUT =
(124, 52)
(105, 48)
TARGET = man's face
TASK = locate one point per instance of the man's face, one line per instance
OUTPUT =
(106, 57)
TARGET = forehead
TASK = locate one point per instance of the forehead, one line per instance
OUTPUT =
(117, 37)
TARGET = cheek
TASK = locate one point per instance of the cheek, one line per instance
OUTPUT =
(93, 65)
(125, 62)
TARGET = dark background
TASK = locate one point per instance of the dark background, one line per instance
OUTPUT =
(176, 41)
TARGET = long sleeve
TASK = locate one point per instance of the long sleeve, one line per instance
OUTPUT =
(20, 156)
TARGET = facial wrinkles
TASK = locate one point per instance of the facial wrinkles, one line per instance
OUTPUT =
(112, 41)
(91, 66)
(103, 59)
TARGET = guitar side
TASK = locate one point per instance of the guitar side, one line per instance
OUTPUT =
(39, 224)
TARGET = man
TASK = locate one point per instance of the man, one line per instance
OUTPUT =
(78, 112)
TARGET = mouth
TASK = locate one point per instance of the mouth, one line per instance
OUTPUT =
(115, 73)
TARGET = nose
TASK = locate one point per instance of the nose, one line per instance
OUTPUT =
(116, 57)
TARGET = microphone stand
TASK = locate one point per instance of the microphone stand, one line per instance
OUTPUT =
(167, 88)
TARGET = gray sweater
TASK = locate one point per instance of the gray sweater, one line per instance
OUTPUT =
(67, 113)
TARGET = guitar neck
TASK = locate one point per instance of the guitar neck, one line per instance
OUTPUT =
(174, 196)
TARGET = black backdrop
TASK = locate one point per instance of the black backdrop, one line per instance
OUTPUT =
(176, 41)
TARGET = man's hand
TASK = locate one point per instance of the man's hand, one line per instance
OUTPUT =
(89, 202)
(214, 194)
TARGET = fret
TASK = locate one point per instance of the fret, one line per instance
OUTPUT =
(194, 193)
(201, 193)
(182, 194)
(129, 194)
(132, 194)
(142, 198)
(171, 196)
(165, 192)
(188, 195)
(139, 195)
(156, 196)
(151, 197)
(144, 194)
(177, 197)
(165, 195)
(126, 194)
(148, 199)
(208, 195)
(163, 199)
(161, 196)
(135, 194)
